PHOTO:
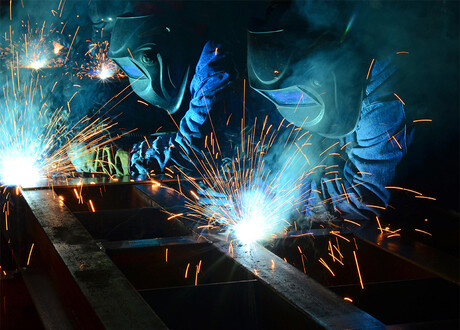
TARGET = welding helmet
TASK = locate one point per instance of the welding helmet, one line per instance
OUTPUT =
(151, 53)
(315, 81)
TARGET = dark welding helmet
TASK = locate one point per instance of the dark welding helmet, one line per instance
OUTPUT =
(151, 54)
(314, 81)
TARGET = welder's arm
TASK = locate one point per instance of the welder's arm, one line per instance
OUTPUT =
(215, 71)
(374, 150)
(379, 146)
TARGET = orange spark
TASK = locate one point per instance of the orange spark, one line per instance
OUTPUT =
(380, 227)
(194, 195)
(30, 253)
(345, 145)
(347, 299)
(67, 56)
(186, 270)
(405, 189)
(325, 265)
(142, 102)
(422, 120)
(175, 216)
(393, 137)
(376, 206)
(370, 68)
(92, 206)
(338, 235)
(345, 193)
(355, 223)
(426, 197)
(329, 148)
(166, 255)
(272, 264)
(422, 231)
(399, 98)
(303, 263)
(359, 272)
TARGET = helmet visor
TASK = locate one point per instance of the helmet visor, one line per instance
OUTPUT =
(293, 96)
(131, 69)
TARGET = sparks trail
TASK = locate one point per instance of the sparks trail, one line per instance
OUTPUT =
(37, 46)
(35, 142)
(98, 65)
(244, 196)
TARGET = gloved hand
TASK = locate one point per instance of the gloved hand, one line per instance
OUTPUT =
(99, 159)
(149, 157)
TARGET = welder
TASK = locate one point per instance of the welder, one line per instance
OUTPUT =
(160, 49)
(330, 86)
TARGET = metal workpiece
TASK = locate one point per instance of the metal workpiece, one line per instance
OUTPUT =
(128, 260)
(86, 279)
(426, 257)
(323, 307)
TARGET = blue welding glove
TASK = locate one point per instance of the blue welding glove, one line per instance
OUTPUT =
(150, 157)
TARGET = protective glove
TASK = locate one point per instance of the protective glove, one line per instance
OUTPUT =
(151, 156)
(99, 159)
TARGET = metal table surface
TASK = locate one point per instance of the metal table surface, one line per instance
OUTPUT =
(100, 268)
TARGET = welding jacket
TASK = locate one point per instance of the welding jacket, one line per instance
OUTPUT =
(368, 156)
(213, 99)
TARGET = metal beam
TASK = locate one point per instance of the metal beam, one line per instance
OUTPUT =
(73, 255)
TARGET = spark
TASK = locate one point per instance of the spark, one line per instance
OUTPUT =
(399, 98)
(155, 183)
(359, 272)
(404, 189)
(348, 299)
(424, 232)
(143, 102)
(325, 265)
(380, 227)
(194, 195)
(186, 270)
(338, 235)
(426, 197)
(30, 253)
(352, 222)
(92, 206)
(198, 269)
(36, 144)
(370, 68)
(98, 65)
(175, 216)
(422, 120)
